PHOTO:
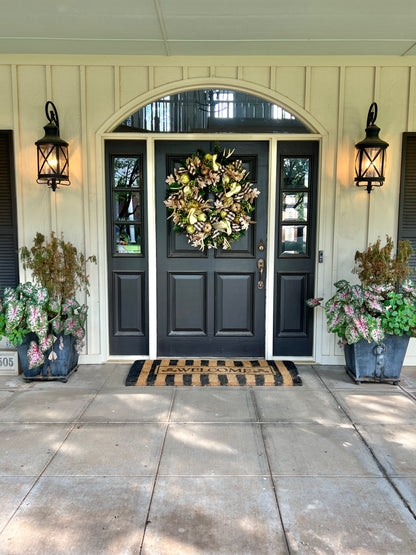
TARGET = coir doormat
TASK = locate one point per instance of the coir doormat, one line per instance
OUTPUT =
(213, 372)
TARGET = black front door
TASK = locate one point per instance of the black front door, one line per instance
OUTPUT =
(209, 303)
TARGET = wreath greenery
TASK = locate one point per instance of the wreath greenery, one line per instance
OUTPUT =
(207, 222)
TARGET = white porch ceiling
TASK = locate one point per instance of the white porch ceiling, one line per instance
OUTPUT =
(209, 27)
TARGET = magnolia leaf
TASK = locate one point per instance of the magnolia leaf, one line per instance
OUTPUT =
(71, 324)
(374, 304)
(37, 320)
(312, 303)
(69, 306)
(46, 342)
(41, 296)
(362, 326)
(357, 294)
(376, 333)
(349, 310)
(15, 311)
(57, 325)
(341, 284)
(34, 355)
(10, 295)
(72, 303)
(344, 294)
(79, 333)
(334, 321)
(352, 335)
(332, 306)
(54, 306)
(83, 314)
(27, 289)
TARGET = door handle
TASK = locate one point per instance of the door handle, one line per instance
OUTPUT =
(260, 267)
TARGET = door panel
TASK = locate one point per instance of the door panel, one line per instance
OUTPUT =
(128, 290)
(187, 290)
(234, 304)
(127, 247)
(208, 302)
(293, 290)
(297, 171)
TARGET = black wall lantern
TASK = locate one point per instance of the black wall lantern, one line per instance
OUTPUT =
(371, 155)
(53, 161)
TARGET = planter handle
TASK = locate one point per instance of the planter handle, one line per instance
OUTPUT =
(379, 352)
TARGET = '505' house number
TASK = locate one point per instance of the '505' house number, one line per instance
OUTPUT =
(8, 362)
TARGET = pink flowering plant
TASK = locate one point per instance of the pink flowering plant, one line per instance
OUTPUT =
(29, 309)
(369, 311)
(383, 303)
(47, 309)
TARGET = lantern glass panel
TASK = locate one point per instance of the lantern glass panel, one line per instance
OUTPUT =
(63, 166)
(53, 161)
(371, 163)
(47, 160)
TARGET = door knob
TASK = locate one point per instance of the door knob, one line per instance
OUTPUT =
(260, 267)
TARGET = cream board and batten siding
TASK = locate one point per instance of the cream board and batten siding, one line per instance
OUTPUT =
(93, 93)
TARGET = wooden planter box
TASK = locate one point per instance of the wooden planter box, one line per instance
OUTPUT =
(59, 369)
(370, 362)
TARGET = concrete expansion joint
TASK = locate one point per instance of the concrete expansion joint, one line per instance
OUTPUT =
(371, 451)
(257, 414)
(156, 475)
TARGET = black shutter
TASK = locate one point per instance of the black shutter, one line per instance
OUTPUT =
(8, 221)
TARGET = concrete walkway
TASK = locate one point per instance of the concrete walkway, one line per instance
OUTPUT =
(93, 467)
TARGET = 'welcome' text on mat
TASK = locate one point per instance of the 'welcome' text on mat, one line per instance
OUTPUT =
(182, 372)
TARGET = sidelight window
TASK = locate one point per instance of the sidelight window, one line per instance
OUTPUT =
(294, 219)
(127, 204)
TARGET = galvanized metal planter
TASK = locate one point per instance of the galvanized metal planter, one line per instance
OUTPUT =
(370, 362)
(58, 369)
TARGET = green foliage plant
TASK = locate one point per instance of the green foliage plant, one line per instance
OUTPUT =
(383, 303)
(47, 309)
(399, 316)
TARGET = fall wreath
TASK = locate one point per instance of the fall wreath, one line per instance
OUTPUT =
(211, 222)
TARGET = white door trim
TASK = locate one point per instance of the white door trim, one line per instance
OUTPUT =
(150, 139)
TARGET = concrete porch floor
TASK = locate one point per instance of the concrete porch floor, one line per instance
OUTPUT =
(93, 467)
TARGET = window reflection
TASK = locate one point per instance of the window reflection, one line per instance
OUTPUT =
(295, 207)
(126, 172)
(295, 173)
(294, 239)
(128, 239)
(127, 205)
(210, 110)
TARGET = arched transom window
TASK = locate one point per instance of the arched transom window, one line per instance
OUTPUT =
(212, 111)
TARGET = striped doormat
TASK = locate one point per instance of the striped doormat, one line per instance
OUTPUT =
(213, 372)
